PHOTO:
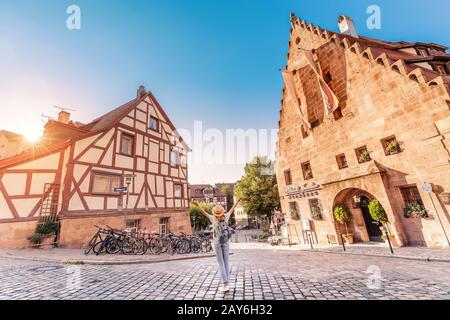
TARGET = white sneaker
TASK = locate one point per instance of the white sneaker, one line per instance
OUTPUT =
(224, 289)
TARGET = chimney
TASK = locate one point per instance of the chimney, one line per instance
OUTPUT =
(141, 92)
(347, 26)
(64, 117)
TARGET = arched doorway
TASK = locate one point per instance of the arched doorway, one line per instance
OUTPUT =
(373, 227)
(362, 227)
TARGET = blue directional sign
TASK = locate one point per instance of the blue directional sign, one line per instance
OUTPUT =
(120, 189)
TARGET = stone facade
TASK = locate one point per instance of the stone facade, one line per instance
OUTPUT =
(389, 136)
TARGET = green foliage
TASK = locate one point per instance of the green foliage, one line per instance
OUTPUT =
(258, 188)
(47, 227)
(377, 212)
(35, 238)
(44, 228)
(198, 220)
(341, 214)
(416, 210)
(393, 147)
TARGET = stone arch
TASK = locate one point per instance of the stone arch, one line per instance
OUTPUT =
(362, 225)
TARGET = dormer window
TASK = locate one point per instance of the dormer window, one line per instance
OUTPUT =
(440, 69)
(422, 52)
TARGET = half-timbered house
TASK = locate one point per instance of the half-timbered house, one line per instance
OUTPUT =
(77, 169)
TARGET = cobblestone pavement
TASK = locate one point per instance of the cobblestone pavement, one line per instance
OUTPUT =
(256, 274)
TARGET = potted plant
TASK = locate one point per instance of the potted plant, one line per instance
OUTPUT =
(342, 215)
(364, 156)
(415, 210)
(392, 147)
(379, 215)
(308, 174)
(45, 233)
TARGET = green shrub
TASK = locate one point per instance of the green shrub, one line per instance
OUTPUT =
(35, 238)
(342, 215)
(47, 227)
(377, 212)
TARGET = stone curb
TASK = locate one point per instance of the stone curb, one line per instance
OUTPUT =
(104, 262)
(427, 259)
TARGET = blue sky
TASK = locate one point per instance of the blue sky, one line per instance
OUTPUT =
(210, 60)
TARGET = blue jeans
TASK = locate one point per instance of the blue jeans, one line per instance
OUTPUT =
(222, 252)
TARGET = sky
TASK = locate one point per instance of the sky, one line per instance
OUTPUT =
(214, 61)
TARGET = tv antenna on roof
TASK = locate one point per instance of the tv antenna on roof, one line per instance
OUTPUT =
(64, 109)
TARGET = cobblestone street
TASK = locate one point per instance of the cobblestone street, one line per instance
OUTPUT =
(256, 274)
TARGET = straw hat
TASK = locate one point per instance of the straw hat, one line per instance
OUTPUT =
(218, 211)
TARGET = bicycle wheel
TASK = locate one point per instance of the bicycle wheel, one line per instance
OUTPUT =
(182, 246)
(91, 244)
(206, 245)
(140, 247)
(99, 247)
(113, 247)
(155, 246)
(196, 245)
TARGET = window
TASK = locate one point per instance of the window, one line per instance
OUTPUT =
(104, 183)
(304, 132)
(163, 226)
(316, 209)
(178, 192)
(126, 144)
(315, 123)
(411, 196)
(337, 114)
(391, 146)
(440, 69)
(154, 123)
(362, 154)
(287, 177)
(307, 172)
(132, 225)
(293, 208)
(342, 161)
(422, 52)
(174, 158)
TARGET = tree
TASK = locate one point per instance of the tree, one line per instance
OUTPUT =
(377, 212)
(258, 188)
(199, 221)
(342, 215)
(228, 190)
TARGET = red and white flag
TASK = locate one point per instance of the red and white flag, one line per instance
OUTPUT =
(288, 78)
(331, 102)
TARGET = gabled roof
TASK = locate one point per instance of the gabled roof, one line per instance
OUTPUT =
(11, 136)
(391, 49)
(196, 190)
(102, 123)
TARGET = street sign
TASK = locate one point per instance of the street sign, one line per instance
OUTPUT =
(427, 188)
(120, 189)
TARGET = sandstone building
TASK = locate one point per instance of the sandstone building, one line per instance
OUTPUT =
(364, 119)
(74, 171)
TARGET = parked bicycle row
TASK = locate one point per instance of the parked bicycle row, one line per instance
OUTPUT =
(114, 241)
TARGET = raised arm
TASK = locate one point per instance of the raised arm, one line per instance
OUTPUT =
(202, 211)
(230, 212)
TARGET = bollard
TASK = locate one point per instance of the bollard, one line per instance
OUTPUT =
(343, 242)
(310, 240)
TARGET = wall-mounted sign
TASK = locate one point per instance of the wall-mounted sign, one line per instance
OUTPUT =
(120, 189)
(306, 225)
(303, 191)
(427, 188)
